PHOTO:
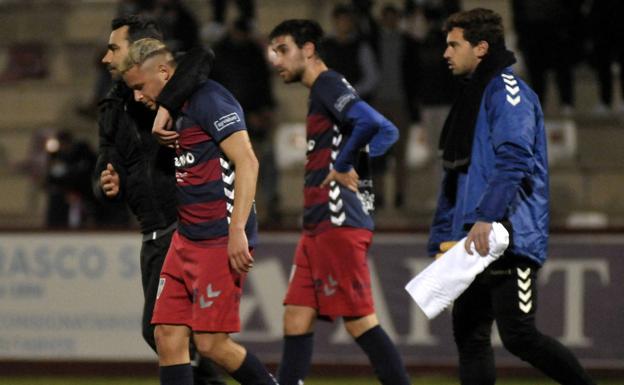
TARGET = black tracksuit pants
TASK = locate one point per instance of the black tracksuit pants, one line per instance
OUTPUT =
(506, 292)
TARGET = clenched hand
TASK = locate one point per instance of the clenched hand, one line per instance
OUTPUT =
(109, 181)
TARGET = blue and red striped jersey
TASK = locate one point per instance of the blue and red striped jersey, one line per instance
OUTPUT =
(204, 175)
(327, 130)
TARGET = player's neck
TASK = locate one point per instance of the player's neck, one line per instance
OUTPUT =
(312, 72)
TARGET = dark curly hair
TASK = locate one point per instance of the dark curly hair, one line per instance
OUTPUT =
(479, 24)
(302, 31)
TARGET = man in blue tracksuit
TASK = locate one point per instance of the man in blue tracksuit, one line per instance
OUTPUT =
(493, 146)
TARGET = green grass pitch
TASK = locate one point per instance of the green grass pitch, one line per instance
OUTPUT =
(311, 381)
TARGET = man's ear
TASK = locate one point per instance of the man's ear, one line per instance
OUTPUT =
(309, 50)
(165, 71)
(482, 48)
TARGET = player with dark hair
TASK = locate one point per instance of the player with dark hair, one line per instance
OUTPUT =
(132, 165)
(493, 147)
(330, 273)
(211, 251)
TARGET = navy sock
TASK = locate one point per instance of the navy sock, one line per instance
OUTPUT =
(384, 357)
(205, 372)
(176, 375)
(252, 372)
(296, 357)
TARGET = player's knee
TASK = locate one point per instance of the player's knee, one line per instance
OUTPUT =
(356, 326)
(207, 345)
(171, 340)
(298, 320)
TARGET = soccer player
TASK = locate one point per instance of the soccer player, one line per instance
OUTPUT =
(132, 166)
(216, 171)
(330, 273)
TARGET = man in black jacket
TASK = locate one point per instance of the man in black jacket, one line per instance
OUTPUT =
(133, 166)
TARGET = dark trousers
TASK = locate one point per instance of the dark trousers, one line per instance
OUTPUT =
(153, 254)
(506, 292)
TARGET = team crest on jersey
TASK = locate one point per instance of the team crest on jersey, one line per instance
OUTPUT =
(226, 120)
(161, 286)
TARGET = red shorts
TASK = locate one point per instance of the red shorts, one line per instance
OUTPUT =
(198, 288)
(330, 273)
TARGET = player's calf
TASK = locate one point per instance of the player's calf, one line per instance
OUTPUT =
(220, 348)
(242, 365)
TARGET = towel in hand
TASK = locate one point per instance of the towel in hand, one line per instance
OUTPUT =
(445, 279)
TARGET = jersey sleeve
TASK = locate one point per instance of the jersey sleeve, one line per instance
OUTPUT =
(336, 94)
(218, 113)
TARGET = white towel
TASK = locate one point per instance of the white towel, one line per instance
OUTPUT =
(440, 283)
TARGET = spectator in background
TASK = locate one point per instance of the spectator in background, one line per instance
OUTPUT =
(57, 165)
(441, 7)
(396, 95)
(607, 35)
(549, 36)
(365, 22)
(241, 67)
(414, 23)
(25, 60)
(437, 87)
(246, 10)
(35, 164)
(70, 200)
(214, 30)
(179, 26)
(348, 53)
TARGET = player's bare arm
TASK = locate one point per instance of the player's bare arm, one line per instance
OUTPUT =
(237, 147)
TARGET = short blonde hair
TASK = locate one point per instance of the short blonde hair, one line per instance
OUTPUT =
(142, 50)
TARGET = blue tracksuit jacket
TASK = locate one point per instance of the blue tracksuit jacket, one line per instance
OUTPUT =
(507, 180)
